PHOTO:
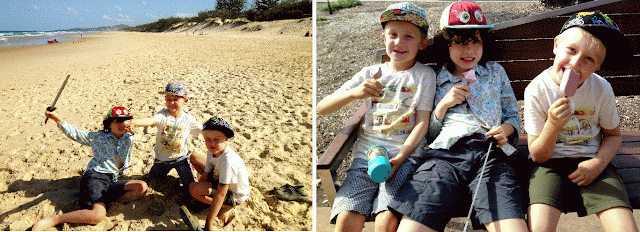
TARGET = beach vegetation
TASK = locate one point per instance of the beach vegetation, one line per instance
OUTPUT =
(262, 10)
(340, 4)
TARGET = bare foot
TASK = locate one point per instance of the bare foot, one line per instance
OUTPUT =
(45, 223)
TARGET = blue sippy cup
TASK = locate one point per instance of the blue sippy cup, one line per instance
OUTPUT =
(379, 166)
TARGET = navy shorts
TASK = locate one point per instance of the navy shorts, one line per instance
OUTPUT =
(434, 189)
(182, 166)
(98, 187)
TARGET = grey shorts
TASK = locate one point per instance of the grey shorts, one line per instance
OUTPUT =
(360, 194)
(550, 184)
(448, 175)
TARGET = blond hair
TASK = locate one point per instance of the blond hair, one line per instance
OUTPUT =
(591, 42)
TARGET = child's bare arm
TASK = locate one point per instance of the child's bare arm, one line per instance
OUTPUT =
(588, 170)
(144, 122)
(418, 132)
(54, 117)
(541, 146)
(370, 87)
(333, 102)
(218, 199)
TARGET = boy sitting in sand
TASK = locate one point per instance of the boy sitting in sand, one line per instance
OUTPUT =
(174, 125)
(399, 98)
(225, 182)
(572, 138)
(100, 185)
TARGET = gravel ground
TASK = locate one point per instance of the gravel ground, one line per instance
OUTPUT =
(348, 39)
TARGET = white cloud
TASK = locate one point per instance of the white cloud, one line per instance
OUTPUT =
(184, 15)
(36, 7)
(152, 16)
(118, 18)
(71, 11)
(118, 7)
(144, 3)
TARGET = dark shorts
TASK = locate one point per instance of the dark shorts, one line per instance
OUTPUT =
(434, 189)
(228, 199)
(98, 187)
(182, 166)
(550, 184)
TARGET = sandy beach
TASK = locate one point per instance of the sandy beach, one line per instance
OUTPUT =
(260, 82)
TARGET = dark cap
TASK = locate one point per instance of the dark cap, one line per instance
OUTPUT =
(215, 123)
(602, 27)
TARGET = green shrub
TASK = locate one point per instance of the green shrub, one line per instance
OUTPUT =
(340, 4)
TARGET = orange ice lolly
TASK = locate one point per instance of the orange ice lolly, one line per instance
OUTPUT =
(569, 82)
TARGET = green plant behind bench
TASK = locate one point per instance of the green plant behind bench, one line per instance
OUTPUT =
(340, 4)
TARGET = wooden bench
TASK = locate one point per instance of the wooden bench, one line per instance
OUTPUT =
(525, 51)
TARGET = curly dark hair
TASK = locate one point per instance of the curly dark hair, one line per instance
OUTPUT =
(445, 37)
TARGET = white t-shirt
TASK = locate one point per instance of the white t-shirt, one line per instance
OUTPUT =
(391, 116)
(171, 141)
(230, 169)
(595, 108)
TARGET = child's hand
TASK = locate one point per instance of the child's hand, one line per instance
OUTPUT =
(500, 133)
(455, 96)
(587, 171)
(395, 165)
(53, 116)
(369, 88)
(559, 113)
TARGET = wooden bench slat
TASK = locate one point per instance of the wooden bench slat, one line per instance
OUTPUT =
(550, 27)
(535, 49)
(350, 129)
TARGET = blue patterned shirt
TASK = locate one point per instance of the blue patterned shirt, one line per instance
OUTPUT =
(492, 100)
(105, 147)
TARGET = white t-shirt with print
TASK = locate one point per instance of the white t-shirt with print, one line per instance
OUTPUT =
(230, 169)
(390, 117)
(595, 108)
(171, 141)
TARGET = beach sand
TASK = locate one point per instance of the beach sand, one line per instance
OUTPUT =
(260, 82)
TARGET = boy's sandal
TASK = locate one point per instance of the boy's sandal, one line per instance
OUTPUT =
(192, 222)
(290, 193)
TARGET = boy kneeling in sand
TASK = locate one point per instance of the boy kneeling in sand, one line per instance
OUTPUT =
(99, 184)
(174, 125)
(224, 170)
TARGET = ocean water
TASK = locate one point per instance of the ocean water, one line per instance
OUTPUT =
(31, 38)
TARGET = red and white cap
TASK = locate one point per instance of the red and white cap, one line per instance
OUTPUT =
(463, 14)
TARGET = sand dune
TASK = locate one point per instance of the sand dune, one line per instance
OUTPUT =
(261, 82)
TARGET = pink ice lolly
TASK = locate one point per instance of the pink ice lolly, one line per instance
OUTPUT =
(569, 83)
(470, 76)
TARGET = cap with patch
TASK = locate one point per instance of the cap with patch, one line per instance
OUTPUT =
(463, 14)
(176, 88)
(215, 123)
(602, 27)
(118, 112)
(406, 12)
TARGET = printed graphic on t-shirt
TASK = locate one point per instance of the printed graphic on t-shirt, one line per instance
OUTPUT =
(391, 110)
(578, 129)
(171, 137)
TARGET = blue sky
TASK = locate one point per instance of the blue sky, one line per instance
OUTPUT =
(46, 15)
